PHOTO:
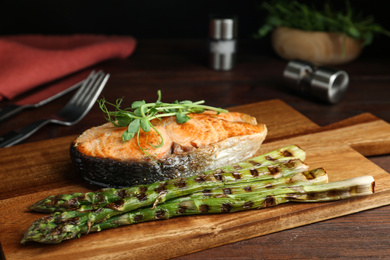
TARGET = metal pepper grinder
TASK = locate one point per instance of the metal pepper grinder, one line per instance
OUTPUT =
(223, 41)
(327, 84)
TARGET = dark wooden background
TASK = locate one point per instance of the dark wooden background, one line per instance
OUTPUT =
(146, 19)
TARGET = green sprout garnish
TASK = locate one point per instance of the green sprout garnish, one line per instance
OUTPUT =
(139, 116)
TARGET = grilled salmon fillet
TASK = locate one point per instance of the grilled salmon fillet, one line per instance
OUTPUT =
(206, 141)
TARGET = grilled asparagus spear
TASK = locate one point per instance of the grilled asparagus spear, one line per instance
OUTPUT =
(44, 232)
(316, 176)
(193, 205)
(93, 200)
(71, 222)
(65, 225)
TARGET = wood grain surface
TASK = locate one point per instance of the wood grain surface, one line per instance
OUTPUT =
(32, 171)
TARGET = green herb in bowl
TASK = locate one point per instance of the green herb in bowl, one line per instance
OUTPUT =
(347, 31)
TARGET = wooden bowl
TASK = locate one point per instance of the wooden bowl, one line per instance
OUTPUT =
(321, 48)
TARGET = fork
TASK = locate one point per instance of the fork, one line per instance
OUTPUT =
(77, 107)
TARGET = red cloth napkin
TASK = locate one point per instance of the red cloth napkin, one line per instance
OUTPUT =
(27, 61)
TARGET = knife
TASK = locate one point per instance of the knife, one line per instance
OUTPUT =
(38, 98)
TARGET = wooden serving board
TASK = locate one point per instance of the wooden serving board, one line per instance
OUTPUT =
(33, 171)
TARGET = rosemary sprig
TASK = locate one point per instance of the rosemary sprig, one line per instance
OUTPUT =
(293, 14)
(139, 116)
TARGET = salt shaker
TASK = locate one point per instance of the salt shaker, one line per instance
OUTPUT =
(327, 84)
(223, 41)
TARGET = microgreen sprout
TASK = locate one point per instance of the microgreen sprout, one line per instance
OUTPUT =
(139, 116)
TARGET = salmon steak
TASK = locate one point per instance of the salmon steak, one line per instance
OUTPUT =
(205, 142)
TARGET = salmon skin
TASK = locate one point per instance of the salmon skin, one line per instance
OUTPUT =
(206, 141)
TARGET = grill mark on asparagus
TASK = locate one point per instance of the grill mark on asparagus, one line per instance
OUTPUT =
(269, 201)
(141, 196)
(138, 218)
(236, 175)
(237, 167)
(99, 196)
(219, 171)
(227, 191)
(269, 158)
(309, 175)
(292, 163)
(200, 178)
(72, 203)
(181, 183)
(121, 193)
(248, 205)
(289, 180)
(115, 205)
(160, 214)
(142, 189)
(54, 202)
(81, 197)
(291, 196)
(73, 221)
(207, 193)
(286, 153)
(182, 209)
(248, 188)
(273, 169)
(268, 186)
(162, 187)
(226, 207)
(203, 208)
(312, 196)
(254, 163)
(218, 176)
(254, 172)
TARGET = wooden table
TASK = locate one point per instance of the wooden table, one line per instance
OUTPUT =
(179, 69)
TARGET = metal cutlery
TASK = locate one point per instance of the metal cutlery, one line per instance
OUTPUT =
(36, 100)
(77, 107)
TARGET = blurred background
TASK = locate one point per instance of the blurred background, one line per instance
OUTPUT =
(145, 19)
(168, 19)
